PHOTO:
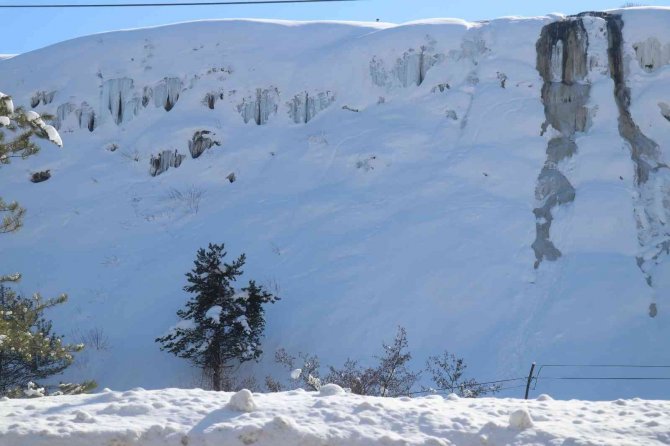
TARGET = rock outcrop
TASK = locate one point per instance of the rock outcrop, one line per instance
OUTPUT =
(200, 142)
(562, 63)
(163, 161)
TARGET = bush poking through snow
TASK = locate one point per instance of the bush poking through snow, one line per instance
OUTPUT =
(189, 198)
(42, 175)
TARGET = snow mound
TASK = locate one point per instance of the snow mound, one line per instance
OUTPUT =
(330, 390)
(520, 419)
(195, 417)
(544, 397)
(242, 401)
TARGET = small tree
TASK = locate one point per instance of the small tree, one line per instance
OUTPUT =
(220, 327)
(447, 372)
(395, 379)
(29, 350)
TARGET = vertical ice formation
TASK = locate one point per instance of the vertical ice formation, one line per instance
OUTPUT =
(651, 54)
(163, 161)
(118, 97)
(166, 93)
(42, 97)
(562, 63)
(211, 98)
(652, 175)
(86, 118)
(147, 95)
(200, 142)
(62, 113)
(259, 107)
(409, 69)
(304, 106)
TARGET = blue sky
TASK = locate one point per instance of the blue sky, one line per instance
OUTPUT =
(25, 30)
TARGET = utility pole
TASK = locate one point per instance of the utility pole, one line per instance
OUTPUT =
(530, 378)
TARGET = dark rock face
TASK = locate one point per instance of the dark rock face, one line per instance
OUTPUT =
(651, 174)
(163, 161)
(200, 142)
(562, 63)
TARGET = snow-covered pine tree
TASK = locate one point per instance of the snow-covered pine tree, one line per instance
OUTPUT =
(29, 350)
(220, 327)
(28, 125)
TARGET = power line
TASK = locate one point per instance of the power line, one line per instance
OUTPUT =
(474, 385)
(164, 4)
(607, 365)
(640, 378)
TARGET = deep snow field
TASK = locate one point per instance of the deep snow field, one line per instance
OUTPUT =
(330, 417)
(385, 175)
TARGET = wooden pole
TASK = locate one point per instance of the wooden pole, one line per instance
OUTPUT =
(530, 378)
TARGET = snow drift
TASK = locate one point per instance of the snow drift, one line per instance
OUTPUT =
(196, 417)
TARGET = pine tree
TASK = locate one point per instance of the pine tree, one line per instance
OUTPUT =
(29, 350)
(219, 327)
(29, 125)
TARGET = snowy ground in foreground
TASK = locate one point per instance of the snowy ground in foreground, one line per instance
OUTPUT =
(331, 417)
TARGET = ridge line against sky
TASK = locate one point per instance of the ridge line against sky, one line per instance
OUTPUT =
(27, 30)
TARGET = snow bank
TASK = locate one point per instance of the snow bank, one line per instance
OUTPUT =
(196, 417)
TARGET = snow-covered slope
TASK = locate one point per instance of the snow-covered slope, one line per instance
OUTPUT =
(498, 188)
(195, 417)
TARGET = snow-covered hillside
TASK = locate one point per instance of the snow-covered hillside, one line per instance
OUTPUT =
(499, 188)
(195, 417)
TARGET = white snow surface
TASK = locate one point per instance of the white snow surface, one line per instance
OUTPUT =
(392, 182)
(298, 418)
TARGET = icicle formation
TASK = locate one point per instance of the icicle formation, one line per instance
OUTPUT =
(303, 107)
(118, 98)
(166, 93)
(259, 107)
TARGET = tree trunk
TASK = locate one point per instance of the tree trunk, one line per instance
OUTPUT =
(216, 377)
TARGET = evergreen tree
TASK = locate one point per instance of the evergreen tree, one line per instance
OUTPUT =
(220, 327)
(29, 350)
(27, 125)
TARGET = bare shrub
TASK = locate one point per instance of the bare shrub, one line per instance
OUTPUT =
(303, 369)
(447, 372)
(133, 156)
(94, 338)
(189, 198)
